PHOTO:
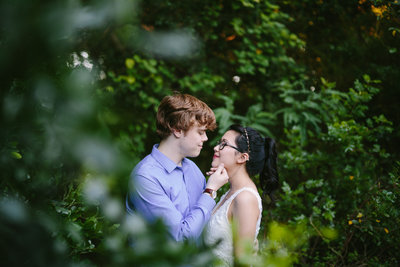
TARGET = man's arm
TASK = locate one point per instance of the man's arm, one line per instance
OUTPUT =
(151, 201)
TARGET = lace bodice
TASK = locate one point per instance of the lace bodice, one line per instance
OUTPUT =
(219, 227)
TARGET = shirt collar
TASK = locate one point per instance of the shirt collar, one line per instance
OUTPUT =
(164, 161)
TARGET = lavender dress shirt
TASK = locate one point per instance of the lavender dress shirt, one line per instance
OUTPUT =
(161, 189)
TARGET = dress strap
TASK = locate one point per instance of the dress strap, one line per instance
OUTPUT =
(255, 193)
(246, 189)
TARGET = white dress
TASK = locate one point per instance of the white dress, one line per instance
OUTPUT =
(219, 227)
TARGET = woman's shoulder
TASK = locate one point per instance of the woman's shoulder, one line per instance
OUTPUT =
(247, 205)
(246, 196)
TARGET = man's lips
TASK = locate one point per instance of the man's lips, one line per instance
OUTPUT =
(215, 156)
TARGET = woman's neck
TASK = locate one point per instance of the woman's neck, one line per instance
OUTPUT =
(239, 178)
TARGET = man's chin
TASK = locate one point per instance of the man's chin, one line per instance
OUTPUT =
(194, 155)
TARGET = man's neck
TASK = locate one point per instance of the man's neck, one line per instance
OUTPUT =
(170, 148)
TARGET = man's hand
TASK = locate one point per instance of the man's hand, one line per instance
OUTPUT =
(218, 178)
(211, 171)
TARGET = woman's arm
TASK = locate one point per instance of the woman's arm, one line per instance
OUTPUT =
(244, 214)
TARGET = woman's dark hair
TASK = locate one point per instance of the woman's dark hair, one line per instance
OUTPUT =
(262, 157)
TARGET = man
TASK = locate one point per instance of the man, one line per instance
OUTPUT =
(167, 185)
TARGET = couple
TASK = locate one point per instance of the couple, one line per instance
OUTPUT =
(167, 185)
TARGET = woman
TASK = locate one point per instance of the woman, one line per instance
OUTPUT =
(244, 154)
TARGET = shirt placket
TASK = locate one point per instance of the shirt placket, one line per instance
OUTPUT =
(188, 188)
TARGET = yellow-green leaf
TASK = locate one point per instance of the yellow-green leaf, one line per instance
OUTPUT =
(16, 155)
(129, 63)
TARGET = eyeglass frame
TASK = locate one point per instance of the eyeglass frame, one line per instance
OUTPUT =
(222, 144)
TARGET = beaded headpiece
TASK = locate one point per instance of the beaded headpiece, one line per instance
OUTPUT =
(247, 140)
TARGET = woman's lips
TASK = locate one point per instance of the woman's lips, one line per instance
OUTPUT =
(215, 156)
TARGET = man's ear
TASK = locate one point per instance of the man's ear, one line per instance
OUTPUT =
(177, 133)
(243, 158)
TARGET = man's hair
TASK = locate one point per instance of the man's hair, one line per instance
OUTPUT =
(182, 111)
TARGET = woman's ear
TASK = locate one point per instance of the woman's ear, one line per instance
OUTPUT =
(243, 158)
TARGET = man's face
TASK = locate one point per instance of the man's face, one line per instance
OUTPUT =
(192, 141)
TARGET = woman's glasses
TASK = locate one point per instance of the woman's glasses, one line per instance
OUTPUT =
(222, 144)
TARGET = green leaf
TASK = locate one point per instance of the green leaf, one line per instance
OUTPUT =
(16, 155)
(129, 63)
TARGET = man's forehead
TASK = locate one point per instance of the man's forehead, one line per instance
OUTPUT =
(202, 127)
(199, 126)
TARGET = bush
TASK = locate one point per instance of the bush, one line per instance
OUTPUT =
(82, 80)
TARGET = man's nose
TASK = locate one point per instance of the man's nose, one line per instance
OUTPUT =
(205, 137)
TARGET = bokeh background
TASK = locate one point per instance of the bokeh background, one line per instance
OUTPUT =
(80, 85)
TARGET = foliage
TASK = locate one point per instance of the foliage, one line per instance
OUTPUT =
(62, 167)
(337, 178)
(255, 117)
(81, 81)
(236, 39)
(345, 40)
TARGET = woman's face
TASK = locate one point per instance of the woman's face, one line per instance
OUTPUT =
(228, 155)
